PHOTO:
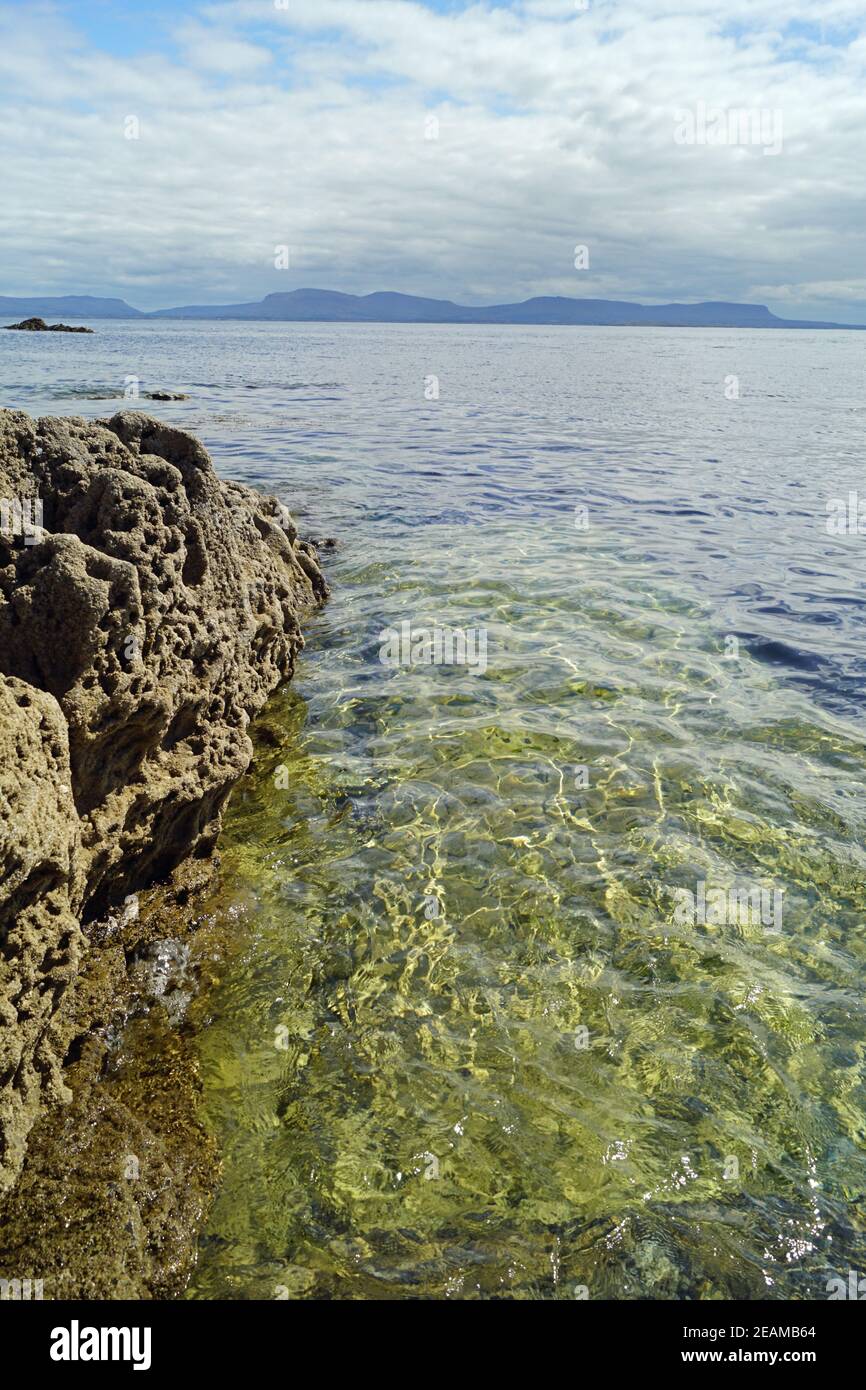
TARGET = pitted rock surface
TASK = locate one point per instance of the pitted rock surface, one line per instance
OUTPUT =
(141, 630)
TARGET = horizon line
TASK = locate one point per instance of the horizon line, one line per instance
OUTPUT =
(212, 310)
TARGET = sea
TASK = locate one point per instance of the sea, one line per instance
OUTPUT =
(536, 966)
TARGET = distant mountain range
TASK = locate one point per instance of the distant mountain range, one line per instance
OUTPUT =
(330, 306)
(75, 306)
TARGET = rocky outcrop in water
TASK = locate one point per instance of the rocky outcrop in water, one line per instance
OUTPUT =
(40, 326)
(147, 611)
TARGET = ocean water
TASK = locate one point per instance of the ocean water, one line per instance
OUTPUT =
(477, 1021)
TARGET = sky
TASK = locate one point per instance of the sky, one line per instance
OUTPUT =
(652, 150)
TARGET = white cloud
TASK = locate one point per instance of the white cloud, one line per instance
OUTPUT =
(816, 292)
(206, 47)
(556, 127)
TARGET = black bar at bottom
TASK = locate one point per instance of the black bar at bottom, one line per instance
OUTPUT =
(83, 1340)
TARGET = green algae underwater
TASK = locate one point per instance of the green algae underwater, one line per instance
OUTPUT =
(463, 1048)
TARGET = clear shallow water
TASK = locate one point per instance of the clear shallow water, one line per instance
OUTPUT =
(457, 1043)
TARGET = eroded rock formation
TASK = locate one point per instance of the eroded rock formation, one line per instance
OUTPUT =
(142, 626)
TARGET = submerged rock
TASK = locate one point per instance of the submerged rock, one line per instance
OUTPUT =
(165, 396)
(40, 326)
(143, 626)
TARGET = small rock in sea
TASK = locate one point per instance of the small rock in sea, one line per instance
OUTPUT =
(165, 396)
(40, 326)
(326, 543)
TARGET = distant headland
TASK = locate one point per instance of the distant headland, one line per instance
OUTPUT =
(331, 306)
